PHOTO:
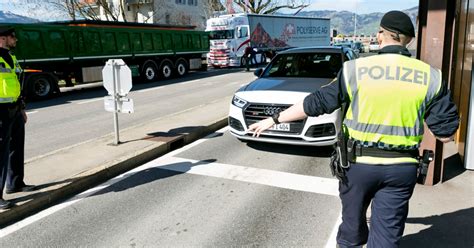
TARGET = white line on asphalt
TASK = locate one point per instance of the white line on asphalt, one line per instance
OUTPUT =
(332, 238)
(89, 101)
(32, 112)
(29, 220)
(319, 185)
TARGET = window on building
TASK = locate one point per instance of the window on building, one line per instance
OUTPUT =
(192, 2)
(180, 1)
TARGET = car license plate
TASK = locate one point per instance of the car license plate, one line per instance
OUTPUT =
(281, 127)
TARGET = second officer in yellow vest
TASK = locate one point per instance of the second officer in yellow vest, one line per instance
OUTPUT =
(388, 96)
(12, 120)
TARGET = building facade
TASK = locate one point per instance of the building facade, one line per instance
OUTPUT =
(173, 12)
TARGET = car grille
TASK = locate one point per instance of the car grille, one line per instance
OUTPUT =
(257, 112)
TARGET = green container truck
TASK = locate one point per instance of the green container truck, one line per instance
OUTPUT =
(62, 51)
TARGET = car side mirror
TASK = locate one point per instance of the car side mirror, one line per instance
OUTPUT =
(258, 72)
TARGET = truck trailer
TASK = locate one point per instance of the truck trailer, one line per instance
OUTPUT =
(231, 34)
(63, 51)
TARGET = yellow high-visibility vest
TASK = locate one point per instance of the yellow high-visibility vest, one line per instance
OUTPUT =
(10, 87)
(389, 95)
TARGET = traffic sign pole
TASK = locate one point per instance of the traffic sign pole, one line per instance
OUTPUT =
(116, 96)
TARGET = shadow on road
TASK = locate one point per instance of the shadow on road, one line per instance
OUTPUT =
(308, 151)
(40, 190)
(153, 174)
(174, 135)
(447, 230)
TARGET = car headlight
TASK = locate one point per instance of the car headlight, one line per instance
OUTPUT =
(239, 102)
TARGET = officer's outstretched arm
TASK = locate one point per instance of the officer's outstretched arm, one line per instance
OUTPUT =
(293, 113)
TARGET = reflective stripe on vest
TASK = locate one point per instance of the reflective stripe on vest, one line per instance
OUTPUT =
(389, 95)
(9, 85)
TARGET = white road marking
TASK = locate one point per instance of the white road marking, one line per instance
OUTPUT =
(32, 112)
(332, 238)
(285, 180)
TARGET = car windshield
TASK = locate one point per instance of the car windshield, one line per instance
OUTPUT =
(221, 34)
(313, 65)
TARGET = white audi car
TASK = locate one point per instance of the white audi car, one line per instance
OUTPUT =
(289, 78)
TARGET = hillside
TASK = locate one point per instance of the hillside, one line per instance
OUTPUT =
(8, 17)
(343, 21)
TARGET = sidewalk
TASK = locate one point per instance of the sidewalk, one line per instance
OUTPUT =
(440, 215)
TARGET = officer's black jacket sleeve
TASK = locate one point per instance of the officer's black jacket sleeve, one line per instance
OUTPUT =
(441, 115)
(327, 99)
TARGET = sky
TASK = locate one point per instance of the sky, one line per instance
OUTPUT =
(362, 6)
(38, 10)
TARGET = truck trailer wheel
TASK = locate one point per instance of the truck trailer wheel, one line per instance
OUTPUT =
(181, 67)
(41, 86)
(243, 62)
(166, 69)
(150, 72)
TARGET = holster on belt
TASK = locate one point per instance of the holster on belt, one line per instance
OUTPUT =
(423, 164)
(339, 158)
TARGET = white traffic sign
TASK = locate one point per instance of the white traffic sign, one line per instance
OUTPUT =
(124, 105)
(117, 72)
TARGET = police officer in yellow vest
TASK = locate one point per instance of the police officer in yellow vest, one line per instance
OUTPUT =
(388, 96)
(12, 120)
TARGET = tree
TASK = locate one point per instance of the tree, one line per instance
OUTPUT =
(93, 9)
(269, 6)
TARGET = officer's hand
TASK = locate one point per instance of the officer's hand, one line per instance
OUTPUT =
(261, 126)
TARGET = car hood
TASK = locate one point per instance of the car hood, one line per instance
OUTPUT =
(307, 85)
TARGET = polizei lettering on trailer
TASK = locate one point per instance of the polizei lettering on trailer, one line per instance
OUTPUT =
(395, 73)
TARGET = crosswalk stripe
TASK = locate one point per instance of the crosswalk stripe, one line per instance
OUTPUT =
(319, 185)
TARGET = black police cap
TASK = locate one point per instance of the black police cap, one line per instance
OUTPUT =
(6, 30)
(398, 22)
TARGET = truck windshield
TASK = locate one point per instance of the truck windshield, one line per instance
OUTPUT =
(221, 34)
(312, 65)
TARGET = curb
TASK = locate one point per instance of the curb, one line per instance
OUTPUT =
(102, 173)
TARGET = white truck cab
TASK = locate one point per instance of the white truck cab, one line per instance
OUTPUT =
(229, 36)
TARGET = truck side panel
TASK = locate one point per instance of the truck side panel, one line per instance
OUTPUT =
(277, 32)
(55, 52)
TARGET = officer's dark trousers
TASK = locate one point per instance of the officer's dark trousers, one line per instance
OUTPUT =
(16, 168)
(388, 188)
(7, 118)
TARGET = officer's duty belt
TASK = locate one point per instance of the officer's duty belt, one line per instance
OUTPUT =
(380, 153)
